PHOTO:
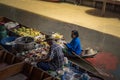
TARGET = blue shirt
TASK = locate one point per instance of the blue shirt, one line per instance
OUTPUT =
(75, 46)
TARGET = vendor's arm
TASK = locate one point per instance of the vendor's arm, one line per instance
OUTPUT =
(44, 60)
(72, 45)
(49, 57)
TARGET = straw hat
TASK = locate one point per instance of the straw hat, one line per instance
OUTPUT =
(48, 37)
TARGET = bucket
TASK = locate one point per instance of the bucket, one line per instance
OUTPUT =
(6, 40)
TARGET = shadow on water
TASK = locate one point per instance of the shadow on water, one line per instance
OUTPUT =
(97, 12)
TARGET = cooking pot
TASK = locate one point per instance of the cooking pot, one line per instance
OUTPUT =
(24, 43)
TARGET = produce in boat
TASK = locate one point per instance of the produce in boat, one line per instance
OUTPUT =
(57, 36)
(23, 31)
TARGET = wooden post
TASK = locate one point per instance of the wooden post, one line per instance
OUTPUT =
(94, 4)
(104, 7)
(80, 1)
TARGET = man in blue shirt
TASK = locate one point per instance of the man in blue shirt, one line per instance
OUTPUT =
(75, 44)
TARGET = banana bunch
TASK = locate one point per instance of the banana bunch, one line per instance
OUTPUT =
(23, 31)
(57, 36)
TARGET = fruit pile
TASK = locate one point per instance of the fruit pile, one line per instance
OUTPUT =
(40, 38)
(23, 31)
(31, 56)
(57, 36)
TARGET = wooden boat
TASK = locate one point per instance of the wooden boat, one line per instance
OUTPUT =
(78, 61)
(13, 68)
(83, 70)
(22, 71)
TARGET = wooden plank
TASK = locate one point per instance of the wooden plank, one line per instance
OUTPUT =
(46, 75)
(3, 65)
(27, 69)
(11, 70)
(17, 60)
(18, 76)
(9, 58)
(3, 54)
(37, 74)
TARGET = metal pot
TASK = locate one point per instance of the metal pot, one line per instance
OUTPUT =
(24, 43)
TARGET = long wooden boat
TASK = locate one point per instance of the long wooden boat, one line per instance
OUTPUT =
(13, 68)
(31, 75)
(93, 75)
(83, 63)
